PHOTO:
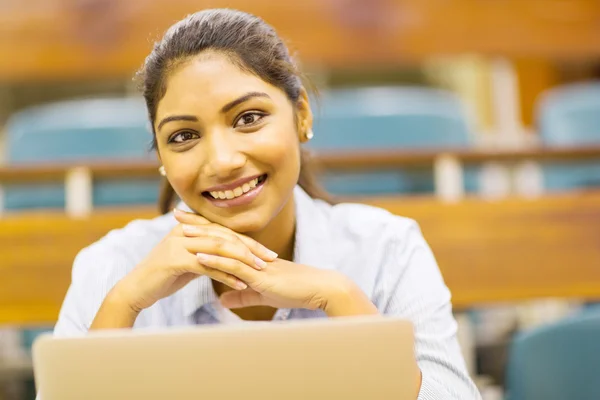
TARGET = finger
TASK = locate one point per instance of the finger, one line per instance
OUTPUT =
(189, 218)
(253, 245)
(191, 265)
(228, 265)
(219, 246)
(225, 279)
(207, 231)
(257, 248)
(226, 233)
(241, 299)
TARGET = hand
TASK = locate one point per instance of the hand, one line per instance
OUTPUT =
(174, 262)
(284, 284)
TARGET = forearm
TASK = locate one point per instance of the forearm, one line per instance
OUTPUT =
(114, 314)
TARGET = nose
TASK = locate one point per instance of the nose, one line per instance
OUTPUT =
(224, 159)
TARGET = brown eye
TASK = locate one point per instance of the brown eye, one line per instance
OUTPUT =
(182, 137)
(249, 118)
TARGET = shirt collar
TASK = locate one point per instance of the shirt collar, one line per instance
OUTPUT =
(312, 247)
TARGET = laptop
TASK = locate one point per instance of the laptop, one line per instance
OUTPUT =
(341, 358)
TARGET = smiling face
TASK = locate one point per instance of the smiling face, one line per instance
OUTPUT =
(229, 142)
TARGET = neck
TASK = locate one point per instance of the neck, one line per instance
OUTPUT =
(279, 234)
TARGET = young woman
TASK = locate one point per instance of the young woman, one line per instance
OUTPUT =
(251, 240)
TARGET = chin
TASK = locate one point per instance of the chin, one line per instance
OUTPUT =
(243, 223)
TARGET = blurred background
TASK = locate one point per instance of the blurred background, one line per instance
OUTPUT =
(478, 118)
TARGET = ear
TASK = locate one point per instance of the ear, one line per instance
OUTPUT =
(304, 115)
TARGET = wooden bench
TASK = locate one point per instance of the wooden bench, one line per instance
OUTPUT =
(508, 250)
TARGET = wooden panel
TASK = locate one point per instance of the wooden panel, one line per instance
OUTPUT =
(514, 249)
(377, 159)
(488, 251)
(37, 251)
(335, 160)
(60, 39)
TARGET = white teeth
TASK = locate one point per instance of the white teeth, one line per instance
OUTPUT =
(237, 192)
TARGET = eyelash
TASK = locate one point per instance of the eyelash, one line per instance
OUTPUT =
(172, 138)
(260, 116)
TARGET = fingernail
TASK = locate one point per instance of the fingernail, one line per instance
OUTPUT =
(260, 263)
(241, 285)
(177, 211)
(272, 254)
(189, 228)
(203, 257)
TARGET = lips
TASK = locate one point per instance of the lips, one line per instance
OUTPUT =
(230, 193)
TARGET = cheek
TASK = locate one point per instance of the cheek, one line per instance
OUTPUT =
(279, 148)
(182, 171)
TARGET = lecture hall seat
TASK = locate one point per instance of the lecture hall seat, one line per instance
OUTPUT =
(569, 115)
(558, 361)
(85, 131)
(384, 118)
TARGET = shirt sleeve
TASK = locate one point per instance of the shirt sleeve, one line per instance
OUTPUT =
(414, 289)
(93, 276)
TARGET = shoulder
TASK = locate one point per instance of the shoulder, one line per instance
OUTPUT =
(120, 250)
(367, 242)
(363, 222)
(386, 255)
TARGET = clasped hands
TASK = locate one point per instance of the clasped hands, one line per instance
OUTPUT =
(197, 247)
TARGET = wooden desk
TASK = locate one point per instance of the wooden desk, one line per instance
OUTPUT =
(325, 160)
(488, 251)
(328, 160)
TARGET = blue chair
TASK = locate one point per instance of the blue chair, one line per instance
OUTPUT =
(389, 118)
(570, 116)
(559, 361)
(80, 131)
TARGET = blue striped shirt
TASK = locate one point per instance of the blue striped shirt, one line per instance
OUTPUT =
(385, 255)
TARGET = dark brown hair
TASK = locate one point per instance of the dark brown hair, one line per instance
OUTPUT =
(251, 44)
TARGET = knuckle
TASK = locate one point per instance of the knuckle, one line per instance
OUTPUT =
(235, 238)
(218, 242)
(176, 231)
(249, 256)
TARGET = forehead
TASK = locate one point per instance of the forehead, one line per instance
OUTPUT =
(207, 82)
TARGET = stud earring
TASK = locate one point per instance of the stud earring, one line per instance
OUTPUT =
(162, 171)
(309, 134)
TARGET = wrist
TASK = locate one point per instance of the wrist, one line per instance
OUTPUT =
(344, 298)
(115, 312)
(117, 298)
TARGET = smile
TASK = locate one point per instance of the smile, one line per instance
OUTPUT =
(240, 195)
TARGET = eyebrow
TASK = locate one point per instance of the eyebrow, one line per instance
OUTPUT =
(243, 99)
(225, 108)
(177, 118)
